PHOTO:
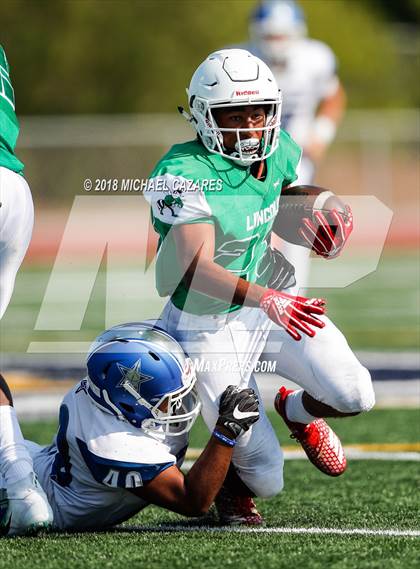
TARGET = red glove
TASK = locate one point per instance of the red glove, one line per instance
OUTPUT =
(329, 237)
(293, 313)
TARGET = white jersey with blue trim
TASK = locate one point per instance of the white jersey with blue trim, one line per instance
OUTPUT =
(95, 460)
(306, 74)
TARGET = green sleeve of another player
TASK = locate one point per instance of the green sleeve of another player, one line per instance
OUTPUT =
(9, 125)
(288, 155)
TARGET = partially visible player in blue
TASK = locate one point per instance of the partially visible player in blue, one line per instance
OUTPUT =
(314, 99)
(123, 434)
(306, 72)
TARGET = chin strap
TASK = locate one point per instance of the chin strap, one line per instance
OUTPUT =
(186, 116)
(260, 170)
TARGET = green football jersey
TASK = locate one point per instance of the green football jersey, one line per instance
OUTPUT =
(192, 185)
(9, 125)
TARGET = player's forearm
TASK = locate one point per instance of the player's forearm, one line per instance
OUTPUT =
(193, 494)
(238, 411)
(195, 246)
(325, 124)
(213, 280)
(206, 477)
(333, 107)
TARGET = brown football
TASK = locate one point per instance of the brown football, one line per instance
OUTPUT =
(298, 202)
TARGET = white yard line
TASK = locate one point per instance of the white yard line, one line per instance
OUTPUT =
(378, 455)
(350, 454)
(281, 530)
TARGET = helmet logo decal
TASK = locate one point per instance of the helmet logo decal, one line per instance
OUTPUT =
(132, 376)
(170, 201)
(246, 92)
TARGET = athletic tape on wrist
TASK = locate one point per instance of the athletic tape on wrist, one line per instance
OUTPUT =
(224, 439)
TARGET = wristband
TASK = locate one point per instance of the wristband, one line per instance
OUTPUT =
(224, 439)
(323, 129)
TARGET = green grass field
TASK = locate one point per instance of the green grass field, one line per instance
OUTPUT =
(378, 495)
(378, 426)
(378, 312)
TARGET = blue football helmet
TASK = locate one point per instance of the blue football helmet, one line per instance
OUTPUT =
(142, 375)
(146, 330)
(275, 25)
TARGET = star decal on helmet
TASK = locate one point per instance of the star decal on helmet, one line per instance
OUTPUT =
(132, 376)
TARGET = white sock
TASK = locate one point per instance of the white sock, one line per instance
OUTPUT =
(295, 410)
(15, 460)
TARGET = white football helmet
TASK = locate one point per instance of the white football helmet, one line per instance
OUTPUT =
(274, 26)
(231, 78)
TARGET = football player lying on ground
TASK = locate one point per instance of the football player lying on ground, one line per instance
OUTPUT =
(214, 204)
(122, 436)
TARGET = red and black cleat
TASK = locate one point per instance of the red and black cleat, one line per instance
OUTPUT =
(318, 440)
(236, 510)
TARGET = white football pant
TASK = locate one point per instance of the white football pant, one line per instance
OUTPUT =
(16, 224)
(225, 350)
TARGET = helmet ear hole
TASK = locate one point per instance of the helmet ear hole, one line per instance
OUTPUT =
(155, 356)
(128, 408)
(105, 371)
